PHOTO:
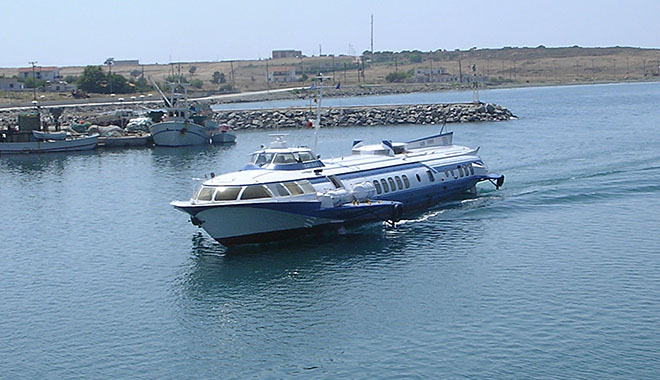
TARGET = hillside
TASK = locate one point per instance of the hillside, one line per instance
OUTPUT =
(504, 67)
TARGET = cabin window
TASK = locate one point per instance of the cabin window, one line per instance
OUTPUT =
(385, 187)
(454, 174)
(306, 156)
(399, 184)
(471, 169)
(419, 179)
(446, 173)
(293, 188)
(279, 189)
(336, 181)
(284, 158)
(227, 193)
(379, 190)
(261, 159)
(255, 192)
(306, 186)
(392, 185)
(205, 193)
(431, 178)
(405, 181)
(460, 170)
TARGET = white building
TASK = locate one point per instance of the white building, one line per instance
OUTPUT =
(10, 84)
(59, 86)
(432, 75)
(287, 54)
(282, 74)
(40, 73)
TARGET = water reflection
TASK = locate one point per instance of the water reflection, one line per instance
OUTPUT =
(53, 162)
(216, 273)
(190, 157)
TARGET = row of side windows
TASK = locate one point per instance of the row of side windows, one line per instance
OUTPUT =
(231, 193)
(460, 171)
(391, 184)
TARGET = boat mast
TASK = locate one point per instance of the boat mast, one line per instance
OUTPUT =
(318, 114)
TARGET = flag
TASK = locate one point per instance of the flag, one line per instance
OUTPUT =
(338, 85)
(313, 86)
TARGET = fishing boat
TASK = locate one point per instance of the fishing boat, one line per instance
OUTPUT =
(30, 139)
(183, 125)
(288, 191)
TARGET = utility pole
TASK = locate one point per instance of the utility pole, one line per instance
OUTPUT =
(333, 68)
(460, 72)
(372, 34)
(396, 66)
(109, 62)
(302, 69)
(345, 69)
(233, 81)
(267, 78)
(34, 81)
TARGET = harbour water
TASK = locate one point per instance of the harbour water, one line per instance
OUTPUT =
(556, 275)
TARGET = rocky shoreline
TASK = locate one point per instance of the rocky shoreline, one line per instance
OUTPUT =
(299, 117)
(364, 116)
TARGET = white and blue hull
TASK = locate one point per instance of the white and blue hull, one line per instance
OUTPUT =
(355, 189)
(176, 133)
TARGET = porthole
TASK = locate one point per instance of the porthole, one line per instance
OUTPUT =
(405, 181)
(399, 184)
(385, 187)
(379, 189)
(392, 185)
(419, 179)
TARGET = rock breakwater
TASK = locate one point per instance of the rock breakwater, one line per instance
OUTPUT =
(365, 116)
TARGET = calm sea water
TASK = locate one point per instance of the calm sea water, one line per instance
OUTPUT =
(556, 275)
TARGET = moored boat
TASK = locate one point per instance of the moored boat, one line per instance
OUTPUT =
(30, 139)
(182, 125)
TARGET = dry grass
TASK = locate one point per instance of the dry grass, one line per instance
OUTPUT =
(508, 66)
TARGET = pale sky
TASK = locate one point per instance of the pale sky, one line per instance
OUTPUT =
(77, 32)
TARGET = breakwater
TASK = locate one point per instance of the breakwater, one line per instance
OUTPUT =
(364, 115)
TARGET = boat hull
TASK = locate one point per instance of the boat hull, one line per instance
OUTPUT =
(82, 143)
(223, 138)
(174, 133)
(124, 141)
(262, 222)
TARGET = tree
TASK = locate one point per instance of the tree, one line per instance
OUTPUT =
(70, 79)
(218, 77)
(92, 80)
(197, 83)
(192, 70)
(176, 79)
(397, 77)
(136, 73)
(141, 85)
(415, 58)
(32, 83)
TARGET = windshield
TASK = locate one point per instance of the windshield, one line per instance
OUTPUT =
(261, 159)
